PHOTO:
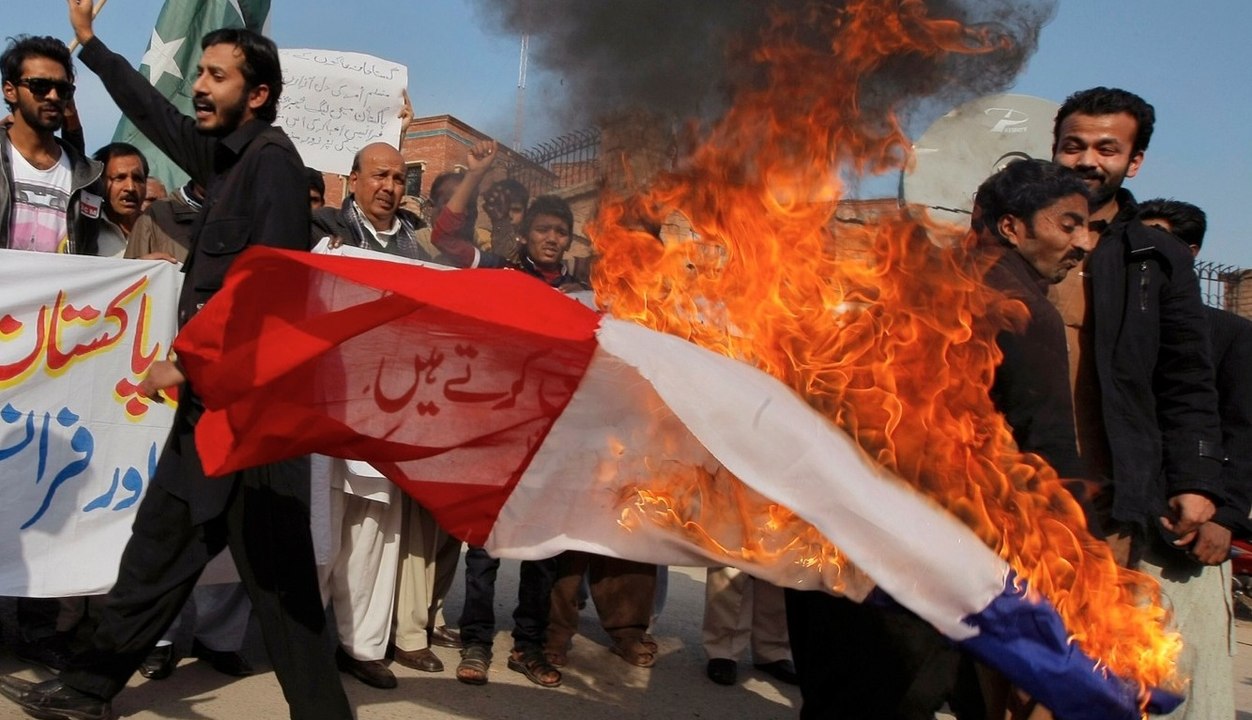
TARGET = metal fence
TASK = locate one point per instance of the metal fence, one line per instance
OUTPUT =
(1219, 284)
(566, 161)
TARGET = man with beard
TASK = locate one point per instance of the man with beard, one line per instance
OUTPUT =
(47, 199)
(125, 189)
(1143, 381)
(49, 202)
(256, 194)
(1140, 368)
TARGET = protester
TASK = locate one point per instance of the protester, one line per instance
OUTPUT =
(1151, 438)
(1202, 607)
(256, 195)
(317, 188)
(452, 231)
(155, 191)
(61, 212)
(547, 227)
(1031, 219)
(371, 217)
(372, 524)
(125, 189)
(215, 616)
(1141, 371)
(857, 660)
(50, 201)
(164, 231)
(740, 610)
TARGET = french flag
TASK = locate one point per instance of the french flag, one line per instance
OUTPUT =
(531, 424)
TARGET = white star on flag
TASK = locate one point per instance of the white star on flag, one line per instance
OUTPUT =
(160, 58)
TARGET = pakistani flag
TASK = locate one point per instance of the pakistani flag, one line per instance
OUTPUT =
(171, 59)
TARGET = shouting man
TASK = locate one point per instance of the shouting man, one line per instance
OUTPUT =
(256, 194)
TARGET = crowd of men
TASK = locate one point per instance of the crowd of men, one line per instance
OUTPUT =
(1121, 379)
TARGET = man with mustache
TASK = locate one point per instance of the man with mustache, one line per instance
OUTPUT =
(1142, 377)
(50, 201)
(48, 198)
(256, 194)
(125, 189)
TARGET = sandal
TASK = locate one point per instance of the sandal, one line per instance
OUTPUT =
(636, 654)
(556, 658)
(532, 663)
(649, 642)
(475, 661)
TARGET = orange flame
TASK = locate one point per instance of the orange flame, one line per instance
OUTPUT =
(895, 343)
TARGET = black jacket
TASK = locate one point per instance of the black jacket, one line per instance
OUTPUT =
(1231, 338)
(1152, 360)
(255, 194)
(338, 222)
(1031, 386)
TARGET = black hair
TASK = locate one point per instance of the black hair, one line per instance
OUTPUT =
(442, 179)
(24, 47)
(1186, 221)
(1109, 101)
(260, 63)
(316, 180)
(547, 205)
(120, 149)
(1021, 189)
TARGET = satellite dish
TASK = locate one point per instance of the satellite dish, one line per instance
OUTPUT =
(961, 149)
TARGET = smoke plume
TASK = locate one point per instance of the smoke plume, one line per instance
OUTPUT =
(686, 58)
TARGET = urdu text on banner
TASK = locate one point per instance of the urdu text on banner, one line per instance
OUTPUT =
(78, 445)
(335, 103)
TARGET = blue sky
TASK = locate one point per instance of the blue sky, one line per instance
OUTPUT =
(1192, 60)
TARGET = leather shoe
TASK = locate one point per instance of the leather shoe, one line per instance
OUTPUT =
(444, 636)
(371, 672)
(223, 661)
(723, 671)
(53, 652)
(780, 670)
(423, 660)
(159, 664)
(54, 700)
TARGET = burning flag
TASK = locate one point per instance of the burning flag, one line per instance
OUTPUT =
(537, 425)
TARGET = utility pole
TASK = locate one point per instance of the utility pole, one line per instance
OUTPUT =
(519, 117)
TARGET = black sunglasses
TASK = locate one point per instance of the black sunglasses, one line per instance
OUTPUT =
(40, 87)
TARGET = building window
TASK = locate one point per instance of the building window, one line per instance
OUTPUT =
(413, 178)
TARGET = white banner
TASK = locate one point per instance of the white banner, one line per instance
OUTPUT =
(78, 445)
(335, 103)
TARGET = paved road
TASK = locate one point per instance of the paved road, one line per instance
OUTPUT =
(598, 685)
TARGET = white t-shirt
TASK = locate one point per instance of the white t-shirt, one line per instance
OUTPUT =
(41, 200)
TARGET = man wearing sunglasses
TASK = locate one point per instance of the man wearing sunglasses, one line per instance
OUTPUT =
(49, 199)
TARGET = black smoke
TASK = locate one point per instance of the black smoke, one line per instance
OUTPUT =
(685, 58)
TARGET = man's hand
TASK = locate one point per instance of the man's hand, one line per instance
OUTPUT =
(162, 375)
(1212, 544)
(1190, 511)
(496, 203)
(160, 256)
(481, 156)
(406, 114)
(72, 122)
(81, 20)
